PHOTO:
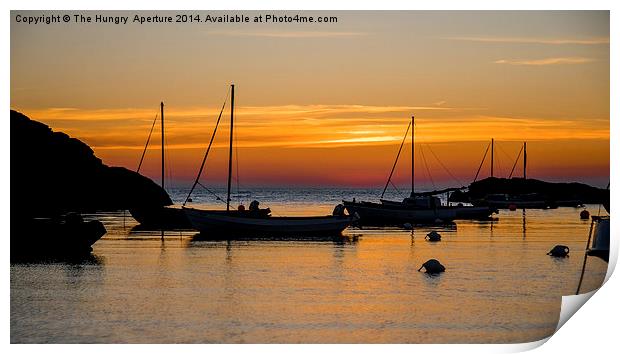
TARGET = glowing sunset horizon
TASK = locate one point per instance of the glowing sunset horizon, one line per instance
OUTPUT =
(328, 105)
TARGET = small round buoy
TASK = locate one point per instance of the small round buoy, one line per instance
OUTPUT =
(512, 207)
(241, 207)
(584, 215)
(433, 266)
(438, 221)
(407, 226)
(189, 200)
(559, 251)
(433, 236)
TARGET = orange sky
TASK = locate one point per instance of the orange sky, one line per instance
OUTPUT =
(329, 104)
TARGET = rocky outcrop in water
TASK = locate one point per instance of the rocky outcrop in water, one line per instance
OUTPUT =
(53, 173)
(518, 186)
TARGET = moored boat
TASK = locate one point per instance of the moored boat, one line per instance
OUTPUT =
(600, 241)
(257, 221)
(63, 236)
(418, 208)
(169, 216)
(394, 214)
(159, 216)
(222, 222)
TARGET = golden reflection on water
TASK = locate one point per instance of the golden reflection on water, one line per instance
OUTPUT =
(364, 287)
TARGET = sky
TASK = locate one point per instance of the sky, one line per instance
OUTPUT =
(327, 104)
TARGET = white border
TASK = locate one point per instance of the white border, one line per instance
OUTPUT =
(593, 327)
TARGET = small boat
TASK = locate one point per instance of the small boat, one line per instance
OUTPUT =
(167, 216)
(240, 223)
(429, 200)
(257, 221)
(62, 236)
(514, 195)
(600, 242)
(418, 208)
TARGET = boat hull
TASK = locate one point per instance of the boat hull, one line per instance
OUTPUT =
(161, 217)
(235, 223)
(50, 238)
(384, 214)
(461, 212)
(600, 243)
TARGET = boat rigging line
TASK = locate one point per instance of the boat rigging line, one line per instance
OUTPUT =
(428, 172)
(147, 144)
(444, 166)
(515, 164)
(396, 188)
(204, 159)
(482, 162)
(237, 165)
(168, 169)
(396, 161)
(217, 197)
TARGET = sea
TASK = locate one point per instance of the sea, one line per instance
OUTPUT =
(153, 286)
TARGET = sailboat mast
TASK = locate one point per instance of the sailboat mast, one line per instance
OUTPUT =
(412, 156)
(524, 160)
(230, 145)
(163, 164)
(492, 155)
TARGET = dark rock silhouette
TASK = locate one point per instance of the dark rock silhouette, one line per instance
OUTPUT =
(552, 192)
(54, 178)
(52, 174)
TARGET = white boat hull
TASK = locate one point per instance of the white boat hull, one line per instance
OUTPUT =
(220, 222)
(460, 212)
(600, 243)
(377, 214)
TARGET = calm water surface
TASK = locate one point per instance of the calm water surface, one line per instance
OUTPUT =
(499, 286)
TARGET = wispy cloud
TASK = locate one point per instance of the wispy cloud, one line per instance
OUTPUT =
(310, 126)
(293, 34)
(545, 61)
(525, 40)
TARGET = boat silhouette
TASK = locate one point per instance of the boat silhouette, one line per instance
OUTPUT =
(158, 216)
(256, 221)
(418, 208)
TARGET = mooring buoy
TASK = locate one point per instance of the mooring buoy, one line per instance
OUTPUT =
(559, 251)
(433, 236)
(584, 215)
(433, 266)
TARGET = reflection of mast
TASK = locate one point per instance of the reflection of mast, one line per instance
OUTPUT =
(524, 223)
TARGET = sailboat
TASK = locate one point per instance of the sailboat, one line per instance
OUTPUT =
(418, 208)
(257, 221)
(167, 216)
(512, 193)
